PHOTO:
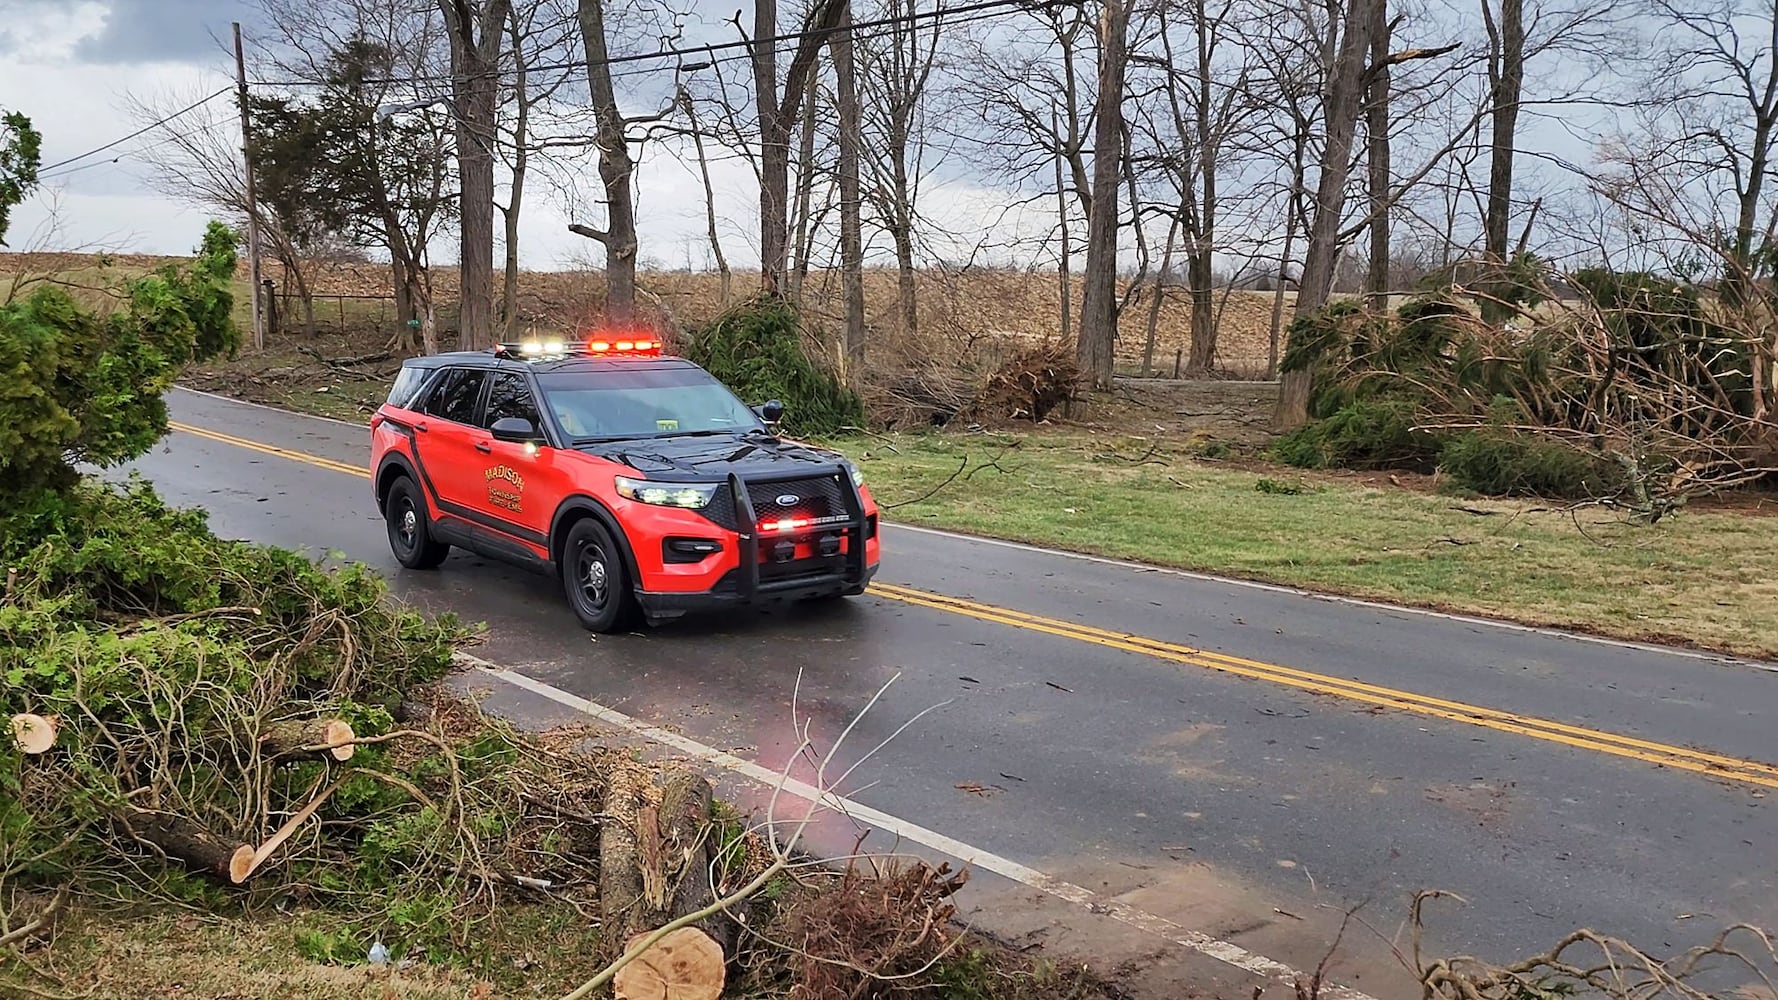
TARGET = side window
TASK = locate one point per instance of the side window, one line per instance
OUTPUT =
(453, 396)
(407, 385)
(510, 396)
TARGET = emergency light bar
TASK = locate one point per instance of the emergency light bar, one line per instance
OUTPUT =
(533, 350)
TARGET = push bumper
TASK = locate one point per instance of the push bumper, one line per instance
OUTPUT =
(845, 571)
(662, 605)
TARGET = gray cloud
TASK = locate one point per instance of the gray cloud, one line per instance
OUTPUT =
(139, 31)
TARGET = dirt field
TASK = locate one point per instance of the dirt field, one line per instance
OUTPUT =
(960, 307)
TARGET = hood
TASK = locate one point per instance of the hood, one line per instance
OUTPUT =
(712, 457)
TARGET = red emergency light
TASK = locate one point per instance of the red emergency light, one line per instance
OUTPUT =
(640, 346)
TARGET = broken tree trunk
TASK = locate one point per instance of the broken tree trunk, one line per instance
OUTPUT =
(655, 850)
(199, 849)
(309, 739)
(35, 734)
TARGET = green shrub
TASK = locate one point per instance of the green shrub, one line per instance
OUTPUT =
(1507, 463)
(1362, 434)
(85, 387)
(757, 349)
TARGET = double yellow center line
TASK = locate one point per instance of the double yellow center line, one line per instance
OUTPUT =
(1666, 755)
(1684, 758)
(266, 449)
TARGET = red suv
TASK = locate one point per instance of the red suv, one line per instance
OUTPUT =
(639, 480)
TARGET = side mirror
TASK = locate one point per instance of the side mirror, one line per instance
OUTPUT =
(771, 411)
(517, 430)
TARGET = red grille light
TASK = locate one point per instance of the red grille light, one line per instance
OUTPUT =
(785, 524)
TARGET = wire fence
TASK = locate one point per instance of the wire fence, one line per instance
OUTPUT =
(333, 313)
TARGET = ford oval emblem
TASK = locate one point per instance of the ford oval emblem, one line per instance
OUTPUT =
(786, 499)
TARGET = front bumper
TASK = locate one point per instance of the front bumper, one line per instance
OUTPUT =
(729, 593)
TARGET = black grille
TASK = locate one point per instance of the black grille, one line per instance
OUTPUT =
(817, 498)
(721, 509)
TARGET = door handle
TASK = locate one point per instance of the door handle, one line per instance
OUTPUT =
(484, 448)
(420, 426)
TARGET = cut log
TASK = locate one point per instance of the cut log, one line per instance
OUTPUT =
(35, 734)
(684, 965)
(655, 851)
(309, 739)
(189, 843)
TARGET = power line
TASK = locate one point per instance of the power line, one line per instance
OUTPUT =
(138, 151)
(141, 131)
(852, 30)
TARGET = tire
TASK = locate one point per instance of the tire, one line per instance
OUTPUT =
(594, 578)
(410, 529)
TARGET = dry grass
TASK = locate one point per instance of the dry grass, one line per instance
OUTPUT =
(959, 308)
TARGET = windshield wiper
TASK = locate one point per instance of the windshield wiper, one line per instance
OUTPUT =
(607, 439)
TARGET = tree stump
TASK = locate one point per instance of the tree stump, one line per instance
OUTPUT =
(294, 740)
(655, 850)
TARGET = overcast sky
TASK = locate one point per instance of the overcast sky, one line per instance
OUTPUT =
(73, 65)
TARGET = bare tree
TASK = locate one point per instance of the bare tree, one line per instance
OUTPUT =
(1506, 85)
(1032, 102)
(776, 107)
(617, 170)
(1208, 102)
(895, 69)
(689, 107)
(1097, 342)
(539, 39)
(1377, 157)
(476, 31)
(1721, 118)
(194, 162)
(851, 221)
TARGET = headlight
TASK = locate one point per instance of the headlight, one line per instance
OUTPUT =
(857, 473)
(660, 494)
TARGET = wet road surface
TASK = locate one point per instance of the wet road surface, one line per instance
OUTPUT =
(1245, 762)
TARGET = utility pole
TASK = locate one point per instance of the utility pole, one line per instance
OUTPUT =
(252, 196)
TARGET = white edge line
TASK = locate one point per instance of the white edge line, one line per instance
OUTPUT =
(1289, 591)
(1270, 588)
(1222, 951)
(266, 406)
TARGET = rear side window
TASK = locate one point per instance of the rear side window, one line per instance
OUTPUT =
(408, 383)
(510, 396)
(454, 395)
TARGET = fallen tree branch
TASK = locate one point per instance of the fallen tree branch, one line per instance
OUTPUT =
(285, 832)
(929, 494)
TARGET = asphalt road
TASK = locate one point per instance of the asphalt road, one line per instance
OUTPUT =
(1233, 758)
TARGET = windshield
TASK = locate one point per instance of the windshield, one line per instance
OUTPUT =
(644, 402)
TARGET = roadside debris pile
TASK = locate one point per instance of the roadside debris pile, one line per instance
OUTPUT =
(211, 724)
(975, 384)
